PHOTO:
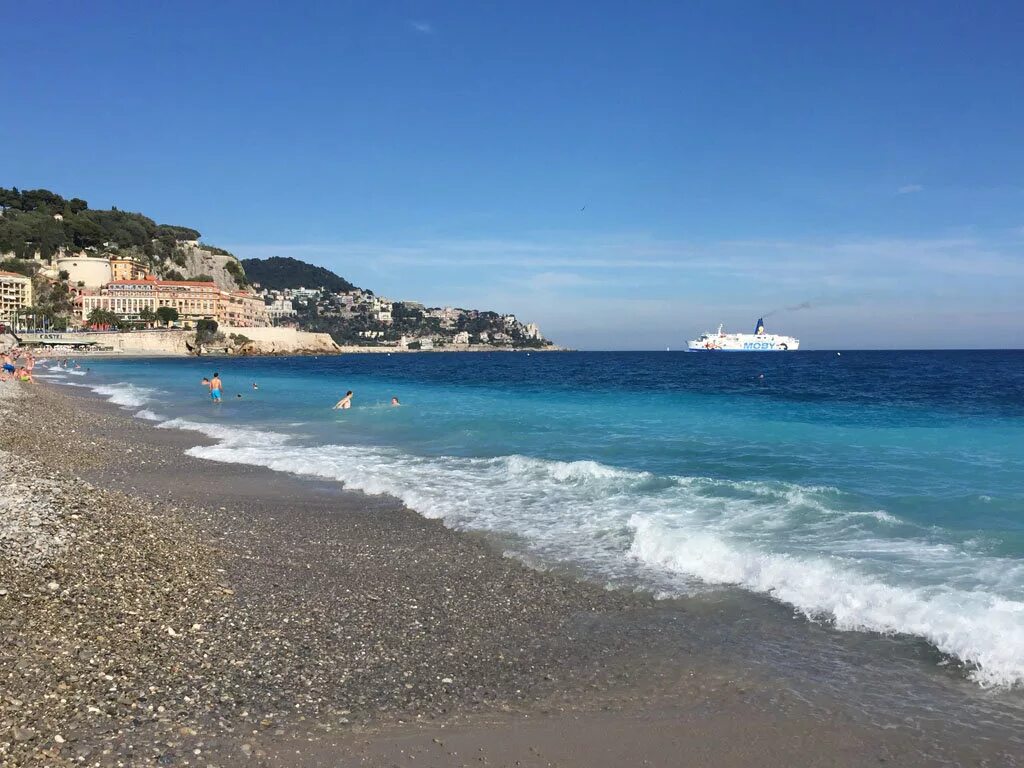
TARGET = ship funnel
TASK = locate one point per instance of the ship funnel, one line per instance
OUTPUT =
(759, 328)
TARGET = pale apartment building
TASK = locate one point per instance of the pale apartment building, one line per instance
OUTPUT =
(241, 309)
(15, 294)
(193, 299)
(280, 308)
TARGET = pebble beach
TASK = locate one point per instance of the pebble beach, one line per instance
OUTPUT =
(158, 609)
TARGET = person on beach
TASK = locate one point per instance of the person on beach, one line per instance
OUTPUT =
(394, 402)
(215, 387)
(8, 363)
(345, 403)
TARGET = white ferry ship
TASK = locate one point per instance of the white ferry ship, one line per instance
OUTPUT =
(758, 341)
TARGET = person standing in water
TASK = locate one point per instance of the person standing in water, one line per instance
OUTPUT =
(345, 403)
(216, 385)
(394, 402)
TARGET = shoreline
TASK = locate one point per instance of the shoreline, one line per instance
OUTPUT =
(361, 577)
(342, 350)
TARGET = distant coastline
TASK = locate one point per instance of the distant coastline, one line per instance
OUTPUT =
(242, 342)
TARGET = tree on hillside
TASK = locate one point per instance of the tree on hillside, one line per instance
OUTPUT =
(167, 315)
(177, 233)
(41, 199)
(235, 269)
(22, 267)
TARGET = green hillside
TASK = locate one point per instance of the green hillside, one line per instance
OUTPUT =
(280, 272)
(28, 225)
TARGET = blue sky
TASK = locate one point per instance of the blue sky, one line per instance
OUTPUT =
(628, 175)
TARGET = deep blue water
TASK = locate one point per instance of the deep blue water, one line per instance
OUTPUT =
(881, 491)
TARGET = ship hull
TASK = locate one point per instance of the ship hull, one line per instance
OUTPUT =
(741, 342)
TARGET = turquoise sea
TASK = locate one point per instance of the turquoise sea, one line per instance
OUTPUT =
(878, 492)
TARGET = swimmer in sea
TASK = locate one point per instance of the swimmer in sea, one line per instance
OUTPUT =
(345, 403)
(394, 402)
(255, 385)
(215, 387)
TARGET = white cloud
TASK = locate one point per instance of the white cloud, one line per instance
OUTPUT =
(808, 260)
(909, 189)
(423, 27)
(633, 291)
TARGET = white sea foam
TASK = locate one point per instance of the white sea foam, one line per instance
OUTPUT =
(230, 437)
(124, 394)
(149, 415)
(980, 628)
(804, 546)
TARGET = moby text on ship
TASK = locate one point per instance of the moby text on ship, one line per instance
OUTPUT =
(758, 341)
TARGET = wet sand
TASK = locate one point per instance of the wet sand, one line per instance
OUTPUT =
(347, 630)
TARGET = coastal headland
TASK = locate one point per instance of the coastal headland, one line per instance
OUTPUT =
(157, 609)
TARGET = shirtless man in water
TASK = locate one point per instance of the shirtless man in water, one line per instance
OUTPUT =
(345, 402)
(215, 388)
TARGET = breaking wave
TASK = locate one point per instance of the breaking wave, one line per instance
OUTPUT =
(809, 547)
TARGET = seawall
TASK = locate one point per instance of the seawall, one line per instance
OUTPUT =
(262, 341)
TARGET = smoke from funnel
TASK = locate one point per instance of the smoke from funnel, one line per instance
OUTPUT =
(794, 308)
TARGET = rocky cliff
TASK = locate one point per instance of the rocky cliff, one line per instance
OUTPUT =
(196, 259)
